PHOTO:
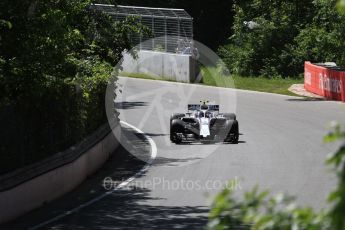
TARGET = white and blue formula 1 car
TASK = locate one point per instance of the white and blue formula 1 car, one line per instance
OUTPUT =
(204, 123)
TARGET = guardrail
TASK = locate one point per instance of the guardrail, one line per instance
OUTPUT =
(326, 81)
(30, 187)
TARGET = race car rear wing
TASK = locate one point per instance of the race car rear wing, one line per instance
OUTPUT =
(213, 107)
(194, 106)
(198, 107)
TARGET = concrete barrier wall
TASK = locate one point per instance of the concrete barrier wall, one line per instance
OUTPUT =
(55, 183)
(177, 67)
(326, 82)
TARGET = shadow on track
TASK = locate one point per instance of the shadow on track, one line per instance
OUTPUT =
(159, 161)
(130, 105)
(122, 210)
(305, 99)
(156, 134)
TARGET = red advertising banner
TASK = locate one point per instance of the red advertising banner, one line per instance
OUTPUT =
(325, 82)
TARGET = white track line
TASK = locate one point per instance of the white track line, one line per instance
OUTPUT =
(121, 185)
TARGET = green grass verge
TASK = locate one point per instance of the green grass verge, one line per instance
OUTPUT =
(275, 85)
(213, 77)
(145, 76)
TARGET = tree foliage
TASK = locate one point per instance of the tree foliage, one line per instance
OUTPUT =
(322, 40)
(287, 34)
(55, 61)
(258, 51)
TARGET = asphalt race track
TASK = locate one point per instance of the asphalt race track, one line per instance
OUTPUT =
(281, 149)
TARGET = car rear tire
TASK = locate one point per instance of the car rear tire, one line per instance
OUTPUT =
(176, 126)
(235, 133)
(235, 139)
